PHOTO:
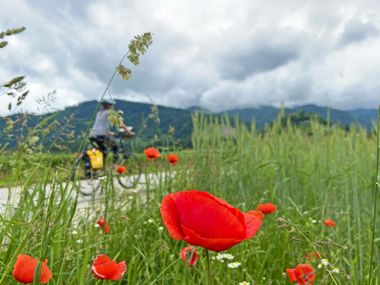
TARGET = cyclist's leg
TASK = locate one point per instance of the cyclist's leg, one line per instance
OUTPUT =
(113, 144)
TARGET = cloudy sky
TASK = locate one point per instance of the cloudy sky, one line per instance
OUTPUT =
(218, 54)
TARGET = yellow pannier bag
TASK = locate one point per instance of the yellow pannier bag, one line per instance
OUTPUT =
(96, 158)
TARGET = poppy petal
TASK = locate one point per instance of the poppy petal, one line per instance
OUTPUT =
(214, 244)
(291, 274)
(120, 270)
(209, 218)
(101, 259)
(170, 218)
(24, 268)
(105, 270)
(252, 225)
(256, 213)
(26, 265)
(46, 274)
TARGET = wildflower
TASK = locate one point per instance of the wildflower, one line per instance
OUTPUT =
(222, 256)
(149, 221)
(325, 262)
(244, 283)
(329, 223)
(173, 158)
(152, 153)
(79, 241)
(267, 208)
(335, 270)
(104, 225)
(105, 268)
(233, 264)
(25, 266)
(256, 213)
(121, 169)
(74, 232)
(160, 228)
(215, 225)
(314, 221)
(313, 255)
(303, 274)
(189, 255)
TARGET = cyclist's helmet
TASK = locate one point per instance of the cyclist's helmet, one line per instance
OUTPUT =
(108, 102)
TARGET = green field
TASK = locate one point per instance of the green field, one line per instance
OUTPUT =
(314, 174)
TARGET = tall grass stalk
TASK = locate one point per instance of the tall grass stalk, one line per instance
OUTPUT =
(376, 190)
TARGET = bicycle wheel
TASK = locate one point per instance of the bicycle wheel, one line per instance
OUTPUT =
(87, 182)
(131, 178)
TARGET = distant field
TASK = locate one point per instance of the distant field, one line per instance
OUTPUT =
(311, 175)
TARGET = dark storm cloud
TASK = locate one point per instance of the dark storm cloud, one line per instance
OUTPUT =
(260, 57)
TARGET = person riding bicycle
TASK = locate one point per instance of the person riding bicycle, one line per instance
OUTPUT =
(101, 134)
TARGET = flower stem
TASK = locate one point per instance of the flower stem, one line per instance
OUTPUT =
(210, 279)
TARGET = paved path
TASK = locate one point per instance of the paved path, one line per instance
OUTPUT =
(12, 195)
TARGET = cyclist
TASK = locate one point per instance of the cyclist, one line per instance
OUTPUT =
(101, 133)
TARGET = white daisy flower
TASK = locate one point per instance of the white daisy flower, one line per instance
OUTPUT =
(234, 264)
(325, 262)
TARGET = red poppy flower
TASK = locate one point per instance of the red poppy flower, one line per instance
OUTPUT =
(200, 218)
(257, 214)
(329, 223)
(173, 158)
(105, 268)
(303, 274)
(25, 266)
(121, 169)
(267, 208)
(189, 255)
(152, 153)
(313, 255)
(104, 225)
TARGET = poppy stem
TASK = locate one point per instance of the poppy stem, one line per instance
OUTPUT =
(210, 280)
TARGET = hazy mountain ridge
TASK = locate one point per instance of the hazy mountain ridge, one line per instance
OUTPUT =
(266, 114)
(78, 118)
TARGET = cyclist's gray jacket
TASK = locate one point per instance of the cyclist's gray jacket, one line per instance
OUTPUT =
(102, 125)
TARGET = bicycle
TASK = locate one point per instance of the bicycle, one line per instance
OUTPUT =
(88, 175)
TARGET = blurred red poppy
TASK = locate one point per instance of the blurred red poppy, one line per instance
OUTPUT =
(313, 255)
(256, 213)
(25, 266)
(104, 225)
(152, 153)
(200, 218)
(121, 169)
(267, 208)
(105, 268)
(329, 223)
(189, 255)
(173, 158)
(303, 274)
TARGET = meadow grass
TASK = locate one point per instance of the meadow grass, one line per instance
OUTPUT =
(324, 172)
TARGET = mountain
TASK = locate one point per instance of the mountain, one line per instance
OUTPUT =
(66, 128)
(366, 117)
(198, 109)
(265, 115)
